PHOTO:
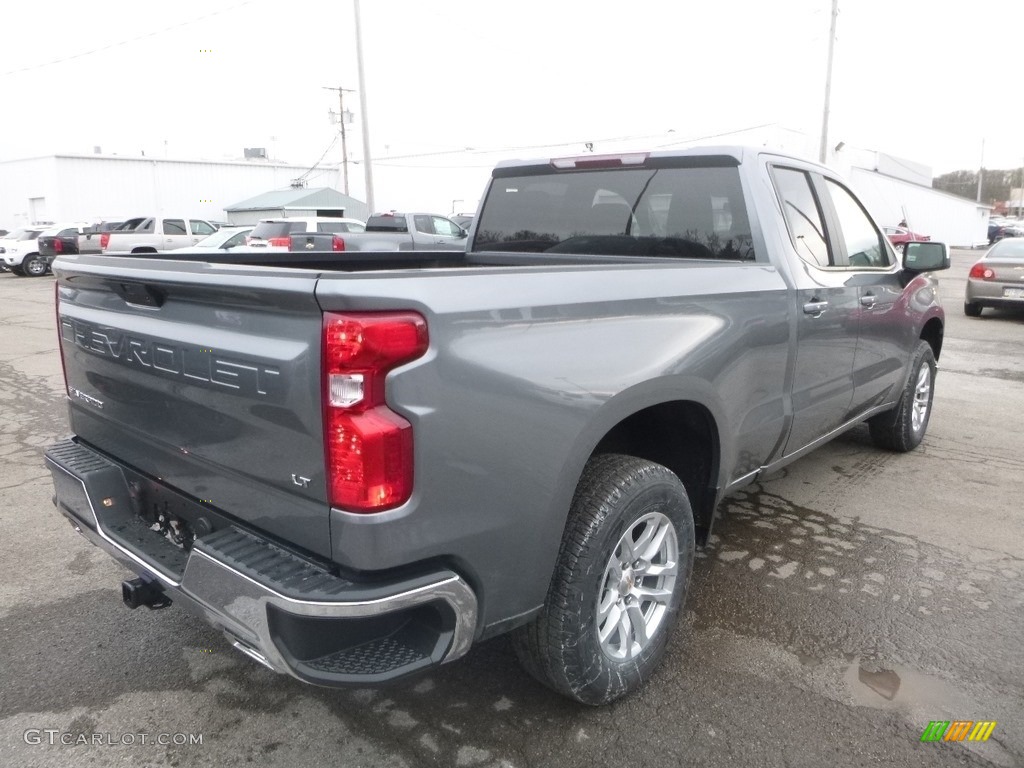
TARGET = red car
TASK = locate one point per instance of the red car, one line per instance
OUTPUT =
(898, 236)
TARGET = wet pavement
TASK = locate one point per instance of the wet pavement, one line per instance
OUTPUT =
(840, 606)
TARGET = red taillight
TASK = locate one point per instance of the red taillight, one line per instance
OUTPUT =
(60, 332)
(368, 447)
(337, 243)
(104, 240)
(285, 241)
(980, 272)
(58, 246)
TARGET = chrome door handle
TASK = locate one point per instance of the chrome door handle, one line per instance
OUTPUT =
(867, 301)
(815, 307)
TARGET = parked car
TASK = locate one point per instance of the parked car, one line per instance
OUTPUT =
(71, 240)
(462, 219)
(8, 239)
(226, 238)
(1009, 229)
(994, 226)
(997, 280)
(151, 234)
(899, 236)
(359, 467)
(391, 231)
(21, 255)
(274, 233)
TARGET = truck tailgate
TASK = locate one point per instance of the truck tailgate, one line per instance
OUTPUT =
(206, 377)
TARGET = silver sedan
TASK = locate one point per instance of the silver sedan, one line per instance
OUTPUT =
(998, 279)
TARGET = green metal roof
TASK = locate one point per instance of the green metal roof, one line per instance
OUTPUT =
(321, 198)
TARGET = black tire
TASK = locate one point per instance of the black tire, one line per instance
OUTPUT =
(17, 270)
(972, 309)
(34, 265)
(617, 496)
(903, 428)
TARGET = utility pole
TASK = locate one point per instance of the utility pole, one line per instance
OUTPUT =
(367, 165)
(828, 82)
(341, 119)
(1020, 208)
(981, 169)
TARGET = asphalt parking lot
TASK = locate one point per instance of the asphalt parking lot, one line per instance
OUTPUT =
(842, 605)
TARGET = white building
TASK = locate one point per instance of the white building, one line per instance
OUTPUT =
(894, 189)
(111, 187)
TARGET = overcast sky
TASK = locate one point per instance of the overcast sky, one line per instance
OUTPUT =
(453, 87)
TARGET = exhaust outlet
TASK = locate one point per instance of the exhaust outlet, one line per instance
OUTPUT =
(137, 592)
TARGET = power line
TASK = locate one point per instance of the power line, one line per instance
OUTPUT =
(314, 166)
(120, 43)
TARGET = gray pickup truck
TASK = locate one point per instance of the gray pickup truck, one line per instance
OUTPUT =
(389, 232)
(356, 467)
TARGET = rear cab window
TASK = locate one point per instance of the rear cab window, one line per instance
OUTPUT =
(660, 209)
(386, 223)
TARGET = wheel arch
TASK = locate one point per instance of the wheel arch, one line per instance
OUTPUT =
(681, 435)
(144, 249)
(932, 332)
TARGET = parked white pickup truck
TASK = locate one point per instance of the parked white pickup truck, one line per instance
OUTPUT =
(148, 234)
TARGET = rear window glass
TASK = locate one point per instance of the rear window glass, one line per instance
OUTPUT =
(268, 229)
(663, 212)
(386, 224)
(1007, 249)
(338, 226)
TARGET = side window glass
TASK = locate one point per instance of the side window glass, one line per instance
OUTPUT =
(806, 226)
(200, 227)
(443, 226)
(864, 246)
(424, 224)
(174, 227)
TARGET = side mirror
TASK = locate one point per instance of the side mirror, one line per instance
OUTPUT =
(925, 256)
(463, 233)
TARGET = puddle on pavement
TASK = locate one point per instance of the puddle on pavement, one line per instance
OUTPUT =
(920, 698)
(895, 686)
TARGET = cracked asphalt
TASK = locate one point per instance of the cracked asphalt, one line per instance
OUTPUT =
(841, 605)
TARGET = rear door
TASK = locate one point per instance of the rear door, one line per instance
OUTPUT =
(175, 234)
(204, 376)
(827, 311)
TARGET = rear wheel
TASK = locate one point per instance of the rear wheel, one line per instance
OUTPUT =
(619, 583)
(902, 429)
(972, 309)
(34, 265)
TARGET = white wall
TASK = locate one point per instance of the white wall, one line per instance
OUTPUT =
(86, 187)
(22, 181)
(952, 220)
